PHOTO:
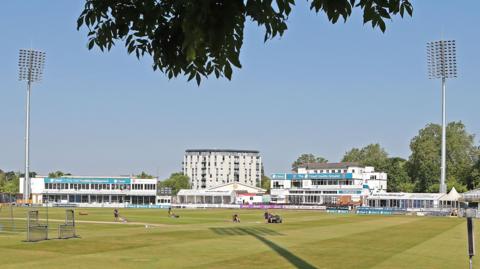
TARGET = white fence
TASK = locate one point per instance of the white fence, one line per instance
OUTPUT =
(259, 206)
(104, 205)
(188, 206)
(203, 206)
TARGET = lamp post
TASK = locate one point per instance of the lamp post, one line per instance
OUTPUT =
(470, 213)
(442, 63)
(30, 64)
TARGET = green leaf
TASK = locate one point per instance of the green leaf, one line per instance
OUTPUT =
(198, 79)
(190, 54)
(409, 9)
(192, 75)
(234, 60)
(383, 12)
(91, 43)
(381, 24)
(79, 22)
(129, 38)
(228, 71)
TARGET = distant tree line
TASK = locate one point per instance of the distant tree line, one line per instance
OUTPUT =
(9, 181)
(58, 174)
(421, 171)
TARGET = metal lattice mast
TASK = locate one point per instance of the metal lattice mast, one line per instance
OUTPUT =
(442, 63)
(30, 64)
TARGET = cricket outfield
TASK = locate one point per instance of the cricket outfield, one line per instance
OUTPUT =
(208, 239)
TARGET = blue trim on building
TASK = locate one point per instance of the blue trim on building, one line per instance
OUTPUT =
(349, 192)
(285, 176)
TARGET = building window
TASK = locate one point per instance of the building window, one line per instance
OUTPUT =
(277, 185)
(296, 183)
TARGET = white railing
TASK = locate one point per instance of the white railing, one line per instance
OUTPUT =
(255, 206)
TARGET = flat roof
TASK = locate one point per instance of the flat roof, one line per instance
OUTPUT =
(329, 165)
(204, 192)
(223, 150)
(131, 177)
(471, 196)
(93, 180)
(296, 176)
(406, 195)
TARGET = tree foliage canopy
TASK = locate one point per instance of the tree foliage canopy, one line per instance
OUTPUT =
(57, 174)
(371, 155)
(474, 175)
(424, 162)
(398, 178)
(144, 175)
(200, 38)
(308, 158)
(266, 183)
(9, 182)
(176, 181)
(376, 156)
(421, 172)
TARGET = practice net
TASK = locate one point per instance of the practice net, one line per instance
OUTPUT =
(7, 220)
(67, 229)
(35, 230)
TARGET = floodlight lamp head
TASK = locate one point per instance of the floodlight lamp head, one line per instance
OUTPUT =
(30, 65)
(442, 59)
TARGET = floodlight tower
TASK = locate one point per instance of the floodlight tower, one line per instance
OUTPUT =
(442, 63)
(30, 64)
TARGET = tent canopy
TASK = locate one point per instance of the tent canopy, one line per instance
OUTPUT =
(453, 196)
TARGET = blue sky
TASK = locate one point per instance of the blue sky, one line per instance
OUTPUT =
(320, 89)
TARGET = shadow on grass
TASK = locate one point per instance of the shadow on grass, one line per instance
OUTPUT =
(244, 231)
(259, 233)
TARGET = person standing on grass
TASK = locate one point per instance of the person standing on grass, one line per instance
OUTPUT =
(115, 214)
(266, 215)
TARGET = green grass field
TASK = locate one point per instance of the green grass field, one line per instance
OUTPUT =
(207, 239)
